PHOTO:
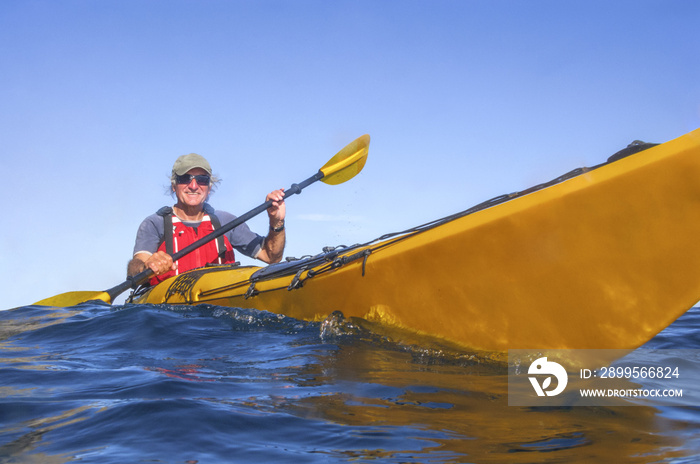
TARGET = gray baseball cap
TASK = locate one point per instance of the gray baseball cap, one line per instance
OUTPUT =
(186, 162)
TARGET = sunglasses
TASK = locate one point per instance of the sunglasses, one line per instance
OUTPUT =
(201, 179)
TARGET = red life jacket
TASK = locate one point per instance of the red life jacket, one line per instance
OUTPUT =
(218, 251)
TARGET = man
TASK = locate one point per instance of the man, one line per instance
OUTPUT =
(192, 218)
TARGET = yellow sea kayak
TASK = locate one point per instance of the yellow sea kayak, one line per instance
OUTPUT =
(604, 257)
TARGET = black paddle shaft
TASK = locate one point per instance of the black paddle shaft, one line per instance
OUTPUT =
(142, 277)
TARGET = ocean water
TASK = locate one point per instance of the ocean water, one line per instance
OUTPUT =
(169, 384)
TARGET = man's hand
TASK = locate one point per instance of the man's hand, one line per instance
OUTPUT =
(159, 262)
(278, 210)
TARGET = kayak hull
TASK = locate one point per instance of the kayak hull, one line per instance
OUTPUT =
(603, 260)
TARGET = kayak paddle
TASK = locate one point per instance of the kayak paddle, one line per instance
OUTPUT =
(345, 165)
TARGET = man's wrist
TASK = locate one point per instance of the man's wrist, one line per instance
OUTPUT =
(279, 228)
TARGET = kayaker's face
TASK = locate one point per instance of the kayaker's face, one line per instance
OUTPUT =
(193, 193)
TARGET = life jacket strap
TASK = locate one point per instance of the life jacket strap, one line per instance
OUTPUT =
(220, 244)
(167, 213)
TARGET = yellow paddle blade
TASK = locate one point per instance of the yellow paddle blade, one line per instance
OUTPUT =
(347, 163)
(73, 298)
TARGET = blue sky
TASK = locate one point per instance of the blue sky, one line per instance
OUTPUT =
(464, 100)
